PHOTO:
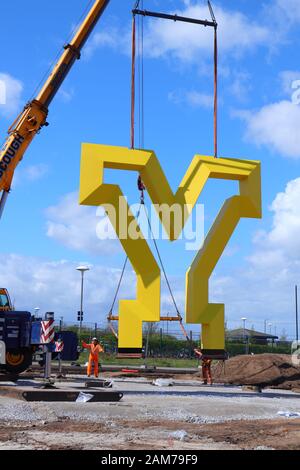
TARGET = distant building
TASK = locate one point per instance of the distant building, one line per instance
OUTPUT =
(250, 336)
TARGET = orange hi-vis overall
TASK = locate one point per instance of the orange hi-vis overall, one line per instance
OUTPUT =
(206, 371)
(95, 350)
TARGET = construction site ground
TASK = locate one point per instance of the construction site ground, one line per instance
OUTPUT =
(184, 416)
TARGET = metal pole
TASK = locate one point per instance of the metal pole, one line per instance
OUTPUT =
(165, 16)
(47, 349)
(59, 354)
(59, 364)
(244, 336)
(161, 341)
(147, 343)
(3, 200)
(48, 363)
(81, 306)
(297, 322)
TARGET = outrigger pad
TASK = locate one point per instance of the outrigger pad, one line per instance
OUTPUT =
(219, 354)
(130, 353)
(69, 395)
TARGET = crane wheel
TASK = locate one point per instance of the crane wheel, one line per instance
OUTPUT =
(18, 361)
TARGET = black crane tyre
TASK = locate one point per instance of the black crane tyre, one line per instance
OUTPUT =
(18, 361)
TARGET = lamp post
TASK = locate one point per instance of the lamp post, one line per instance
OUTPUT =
(82, 270)
(270, 326)
(297, 321)
(36, 311)
(244, 319)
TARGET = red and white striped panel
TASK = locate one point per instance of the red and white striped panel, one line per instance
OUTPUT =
(59, 346)
(48, 332)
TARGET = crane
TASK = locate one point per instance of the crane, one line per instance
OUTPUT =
(34, 116)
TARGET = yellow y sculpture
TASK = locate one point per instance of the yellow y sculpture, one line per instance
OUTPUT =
(146, 307)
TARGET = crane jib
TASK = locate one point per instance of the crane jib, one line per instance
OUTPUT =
(10, 154)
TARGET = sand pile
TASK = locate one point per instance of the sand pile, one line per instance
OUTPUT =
(275, 370)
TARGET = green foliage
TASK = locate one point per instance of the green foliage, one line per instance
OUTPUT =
(167, 350)
(237, 349)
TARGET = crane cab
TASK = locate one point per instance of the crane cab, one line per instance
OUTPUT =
(5, 302)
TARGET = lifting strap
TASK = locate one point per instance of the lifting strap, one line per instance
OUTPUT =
(216, 93)
(109, 318)
(132, 129)
(215, 78)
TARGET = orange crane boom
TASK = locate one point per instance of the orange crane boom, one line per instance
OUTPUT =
(34, 116)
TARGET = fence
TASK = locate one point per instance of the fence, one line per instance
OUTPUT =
(170, 343)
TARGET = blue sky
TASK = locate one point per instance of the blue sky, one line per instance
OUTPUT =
(44, 234)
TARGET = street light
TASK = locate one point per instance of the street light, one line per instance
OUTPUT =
(82, 270)
(297, 319)
(36, 311)
(244, 319)
(270, 326)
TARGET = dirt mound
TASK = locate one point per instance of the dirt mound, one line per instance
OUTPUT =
(266, 370)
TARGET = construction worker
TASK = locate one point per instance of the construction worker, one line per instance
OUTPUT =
(95, 349)
(206, 367)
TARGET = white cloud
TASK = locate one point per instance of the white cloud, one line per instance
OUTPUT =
(276, 126)
(287, 78)
(66, 95)
(192, 98)
(113, 37)
(2, 92)
(31, 174)
(11, 91)
(290, 9)
(240, 85)
(55, 286)
(200, 99)
(284, 234)
(187, 42)
(36, 172)
(76, 227)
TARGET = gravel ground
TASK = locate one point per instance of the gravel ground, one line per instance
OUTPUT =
(209, 421)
